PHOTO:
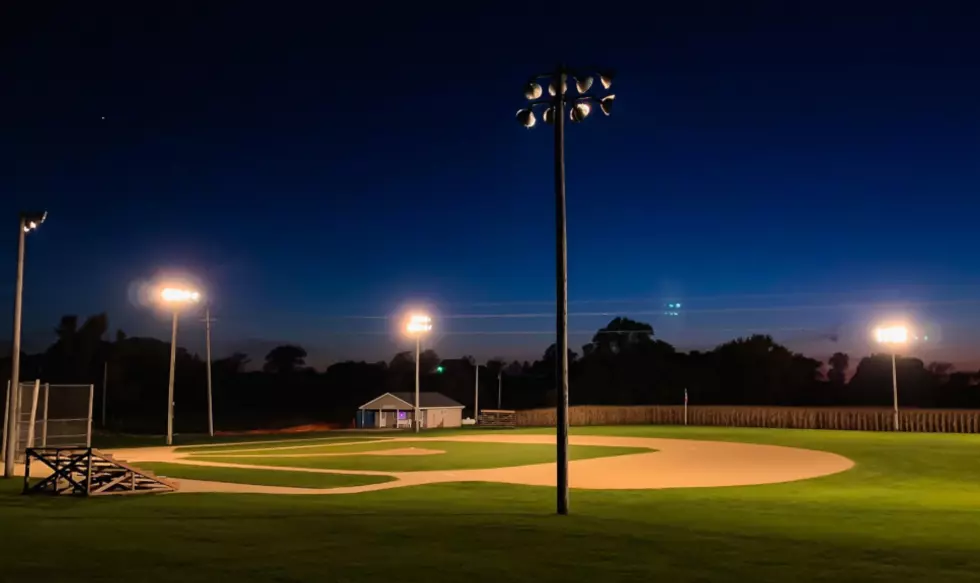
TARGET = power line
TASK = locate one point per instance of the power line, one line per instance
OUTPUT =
(743, 309)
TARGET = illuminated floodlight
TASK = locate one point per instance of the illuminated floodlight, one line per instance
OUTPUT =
(33, 220)
(532, 91)
(526, 117)
(583, 84)
(606, 79)
(419, 324)
(606, 104)
(580, 111)
(552, 88)
(549, 115)
(892, 335)
(174, 295)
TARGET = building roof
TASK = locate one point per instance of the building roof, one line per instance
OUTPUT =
(427, 400)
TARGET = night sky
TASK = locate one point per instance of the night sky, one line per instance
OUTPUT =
(776, 168)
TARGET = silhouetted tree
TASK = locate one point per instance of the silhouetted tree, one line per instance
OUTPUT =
(839, 363)
(285, 359)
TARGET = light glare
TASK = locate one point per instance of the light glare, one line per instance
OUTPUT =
(418, 324)
(174, 295)
(892, 335)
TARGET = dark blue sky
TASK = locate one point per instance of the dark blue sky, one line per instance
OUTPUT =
(312, 165)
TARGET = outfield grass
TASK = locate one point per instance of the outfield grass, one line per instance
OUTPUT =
(907, 512)
(456, 456)
(270, 443)
(261, 477)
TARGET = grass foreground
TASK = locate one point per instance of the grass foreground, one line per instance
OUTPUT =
(907, 512)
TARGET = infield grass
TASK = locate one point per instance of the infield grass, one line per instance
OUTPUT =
(261, 477)
(451, 455)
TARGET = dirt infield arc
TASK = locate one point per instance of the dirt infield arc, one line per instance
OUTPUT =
(672, 463)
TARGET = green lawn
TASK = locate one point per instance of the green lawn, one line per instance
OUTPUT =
(908, 512)
(457, 456)
(274, 443)
(262, 477)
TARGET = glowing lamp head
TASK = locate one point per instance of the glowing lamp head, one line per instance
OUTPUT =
(580, 111)
(583, 84)
(553, 89)
(606, 104)
(532, 91)
(419, 324)
(892, 334)
(606, 79)
(33, 220)
(526, 118)
(173, 295)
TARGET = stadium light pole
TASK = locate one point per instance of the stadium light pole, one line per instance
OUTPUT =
(418, 324)
(554, 113)
(28, 222)
(207, 349)
(175, 298)
(893, 337)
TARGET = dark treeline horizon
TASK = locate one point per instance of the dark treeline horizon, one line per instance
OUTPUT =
(624, 364)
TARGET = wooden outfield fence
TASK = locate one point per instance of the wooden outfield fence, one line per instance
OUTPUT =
(860, 419)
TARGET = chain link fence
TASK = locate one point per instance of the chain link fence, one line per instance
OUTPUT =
(48, 416)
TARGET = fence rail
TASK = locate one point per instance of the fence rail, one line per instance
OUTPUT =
(858, 419)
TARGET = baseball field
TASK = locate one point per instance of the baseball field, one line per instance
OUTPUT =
(680, 504)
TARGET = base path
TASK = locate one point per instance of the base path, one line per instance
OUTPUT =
(672, 463)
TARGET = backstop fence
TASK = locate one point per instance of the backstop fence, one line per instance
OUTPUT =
(48, 416)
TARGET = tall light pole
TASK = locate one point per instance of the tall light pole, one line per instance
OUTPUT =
(28, 222)
(175, 298)
(207, 349)
(500, 387)
(894, 337)
(554, 113)
(418, 324)
(476, 396)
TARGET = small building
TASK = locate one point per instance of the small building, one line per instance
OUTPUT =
(396, 410)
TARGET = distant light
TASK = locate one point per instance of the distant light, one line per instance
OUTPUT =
(606, 79)
(172, 294)
(439, 369)
(892, 335)
(583, 84)
(418, 324)
(925, 338)
(678, 305)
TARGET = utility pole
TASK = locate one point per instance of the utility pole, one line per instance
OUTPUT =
(105, 381)
(476, 397)
(418, 356)
(13, 408)
(170, 386)
(500, 385)
(207, 328)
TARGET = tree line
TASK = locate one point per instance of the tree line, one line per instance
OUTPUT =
(623, 364)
